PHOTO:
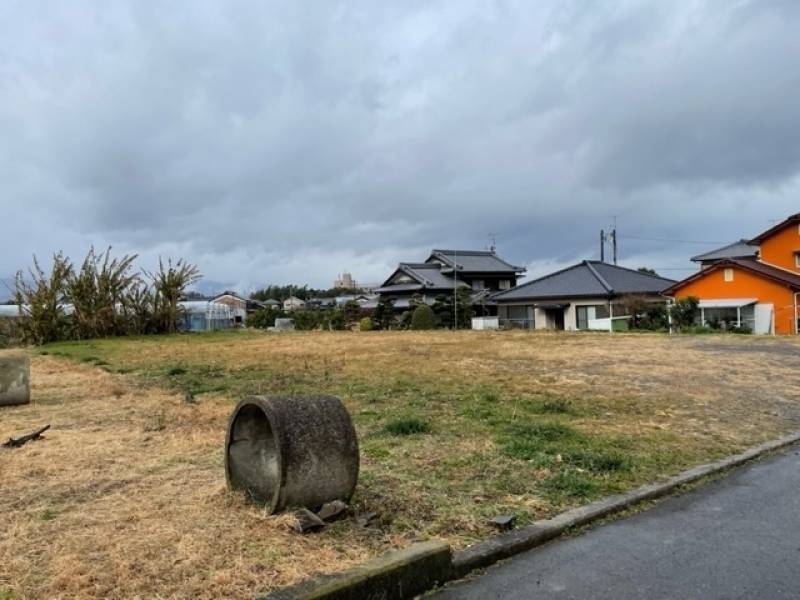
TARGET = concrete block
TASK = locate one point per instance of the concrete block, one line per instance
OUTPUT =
(15, 379)
(396, 575)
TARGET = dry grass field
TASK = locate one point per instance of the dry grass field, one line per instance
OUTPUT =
(126, 496)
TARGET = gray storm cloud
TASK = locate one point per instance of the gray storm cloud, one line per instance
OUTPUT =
(278, 142)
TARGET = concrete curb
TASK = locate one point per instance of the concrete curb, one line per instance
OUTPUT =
(394, 576)
(414, 570)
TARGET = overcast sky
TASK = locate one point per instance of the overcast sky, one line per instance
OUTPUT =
(276, 142)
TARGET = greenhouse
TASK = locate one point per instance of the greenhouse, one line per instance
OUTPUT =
(204, 315)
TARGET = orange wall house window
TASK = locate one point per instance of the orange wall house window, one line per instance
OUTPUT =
(782, 248)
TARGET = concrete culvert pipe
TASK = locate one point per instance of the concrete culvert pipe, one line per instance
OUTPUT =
(290, 451)
(15, 375)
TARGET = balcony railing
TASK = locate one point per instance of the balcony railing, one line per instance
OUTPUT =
(516, 323)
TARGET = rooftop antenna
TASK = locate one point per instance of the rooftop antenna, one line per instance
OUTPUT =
(493, 237)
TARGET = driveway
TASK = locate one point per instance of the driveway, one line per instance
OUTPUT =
(738, 537)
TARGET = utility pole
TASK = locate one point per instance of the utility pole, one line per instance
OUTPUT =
(455, 290)
(614, 240)
(602, 245)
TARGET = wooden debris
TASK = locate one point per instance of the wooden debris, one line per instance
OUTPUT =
(16, 442)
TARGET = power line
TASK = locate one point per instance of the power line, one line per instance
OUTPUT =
(649, 239)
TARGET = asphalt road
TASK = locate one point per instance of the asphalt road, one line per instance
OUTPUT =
(738, 537)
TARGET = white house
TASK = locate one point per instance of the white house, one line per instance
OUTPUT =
(293, 303)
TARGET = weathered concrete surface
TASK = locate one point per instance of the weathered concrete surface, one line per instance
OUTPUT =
(396, 575)
(15, 378)
(292, 451)
(736, 537)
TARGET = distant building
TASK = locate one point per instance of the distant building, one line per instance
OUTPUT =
(293, 303)
(237, 304)
(346, 281)
(586, 296)
(741, 249)
(481, 272)
(751, 284)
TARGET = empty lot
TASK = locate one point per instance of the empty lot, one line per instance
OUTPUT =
(126, 495)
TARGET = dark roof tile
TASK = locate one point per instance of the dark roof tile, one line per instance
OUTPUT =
(588, 278)
(738, 249)
(474, 261)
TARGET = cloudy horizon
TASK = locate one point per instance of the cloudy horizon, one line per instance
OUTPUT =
(276, 142)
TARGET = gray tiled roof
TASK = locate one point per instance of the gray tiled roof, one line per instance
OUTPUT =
(430, 276)
(475, 261)
(588, 278)
(738, 249)
(426, 275)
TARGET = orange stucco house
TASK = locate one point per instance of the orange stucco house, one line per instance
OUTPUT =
(753, 283)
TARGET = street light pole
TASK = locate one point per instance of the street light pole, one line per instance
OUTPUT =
(455, 290)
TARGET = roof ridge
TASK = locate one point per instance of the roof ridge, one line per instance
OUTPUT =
(775, 228)
(599, 277)
(629, 269)
(420, 265)
(474, 252)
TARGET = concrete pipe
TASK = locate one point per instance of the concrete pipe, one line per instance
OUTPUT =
(15, 375)
(288, 451)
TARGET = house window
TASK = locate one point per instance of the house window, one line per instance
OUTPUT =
(585, 314)
(505, 284)
(516, 317)
(797, 259)
(728, 275)
(477, 284)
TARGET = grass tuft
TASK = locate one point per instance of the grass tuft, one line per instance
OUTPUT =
(407, 426)
(569, 484)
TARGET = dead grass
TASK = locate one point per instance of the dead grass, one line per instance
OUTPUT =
(126, 496)
(107, 506)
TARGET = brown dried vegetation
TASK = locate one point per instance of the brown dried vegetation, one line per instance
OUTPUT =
(125, 497)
